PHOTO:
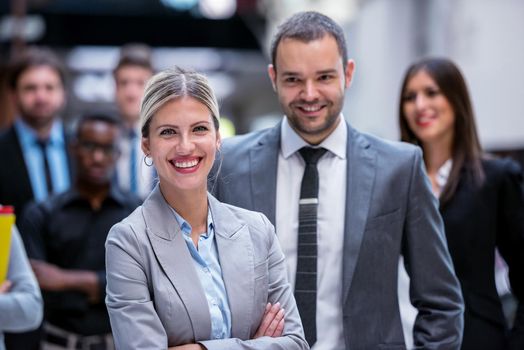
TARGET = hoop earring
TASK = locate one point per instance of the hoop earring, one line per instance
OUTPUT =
(145, 160)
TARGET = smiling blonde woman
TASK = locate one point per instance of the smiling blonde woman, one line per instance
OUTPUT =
(185, 271)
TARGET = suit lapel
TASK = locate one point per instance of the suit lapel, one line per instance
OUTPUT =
(174, 258)
(361, 169)
(264, 162)
(235, 250)
(17, 161)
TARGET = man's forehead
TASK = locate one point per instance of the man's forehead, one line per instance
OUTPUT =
(324, 48)
(39, 72)
(317, 56)
(132, 69)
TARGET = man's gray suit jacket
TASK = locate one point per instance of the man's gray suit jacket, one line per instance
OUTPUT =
(390, 210)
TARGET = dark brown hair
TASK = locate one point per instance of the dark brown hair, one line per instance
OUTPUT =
(466, 151)
(33, 57)
(134, 55)
(306, 27)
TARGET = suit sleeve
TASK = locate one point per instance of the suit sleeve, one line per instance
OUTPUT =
(510, 241)
(434, 289)
(134, 321)
(279, 291)
(21, 307)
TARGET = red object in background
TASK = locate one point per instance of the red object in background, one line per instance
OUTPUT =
(7, 209)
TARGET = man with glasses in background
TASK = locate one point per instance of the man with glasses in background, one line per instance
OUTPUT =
(65, 238)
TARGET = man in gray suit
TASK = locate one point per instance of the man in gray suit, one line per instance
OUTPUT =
(362, 203)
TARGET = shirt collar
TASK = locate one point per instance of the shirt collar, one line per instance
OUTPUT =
(28, 135)
(116, 195)
(186, 227)
(132, 132)
(336, 142)
(443, 173)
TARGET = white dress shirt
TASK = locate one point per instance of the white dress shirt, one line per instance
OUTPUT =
(144, 174)
(330, 226)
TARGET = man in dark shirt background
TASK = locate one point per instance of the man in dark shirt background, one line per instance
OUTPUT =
(65, 237)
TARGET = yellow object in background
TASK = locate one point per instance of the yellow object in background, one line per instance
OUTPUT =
(7, 220)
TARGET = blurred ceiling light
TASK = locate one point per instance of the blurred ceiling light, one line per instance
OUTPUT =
(180, 5)
(94, 87)
(222, 83)
(217, 9)
(93, 58)
(200, 59)
(29, 28)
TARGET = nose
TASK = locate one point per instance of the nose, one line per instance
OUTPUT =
(186, 145)
(421, 101)
(310, 91)
(98, 155)
(41, 94)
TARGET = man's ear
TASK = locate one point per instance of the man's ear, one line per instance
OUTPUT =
(13, 99)
(272, 76)
(350, 69)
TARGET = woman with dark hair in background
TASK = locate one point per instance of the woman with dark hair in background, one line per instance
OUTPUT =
(481, 198)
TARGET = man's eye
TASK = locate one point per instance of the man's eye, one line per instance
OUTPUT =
(291, 80)
(325, 77)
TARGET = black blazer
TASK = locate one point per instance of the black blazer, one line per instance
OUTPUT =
(478, 219)
(15, 186)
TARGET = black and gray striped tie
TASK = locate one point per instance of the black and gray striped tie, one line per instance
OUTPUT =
(306, 277)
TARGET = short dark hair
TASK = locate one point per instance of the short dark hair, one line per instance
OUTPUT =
(96, 117)
(308, 26)
(34, 56)
(466, 150)
(134, 55)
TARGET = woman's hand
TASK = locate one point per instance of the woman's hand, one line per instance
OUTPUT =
(272, 324)
(5, 286)
(188, 347)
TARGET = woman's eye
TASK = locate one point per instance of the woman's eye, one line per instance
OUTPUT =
(409, 97)
(167, 132)
(200, 128)
(432, 92)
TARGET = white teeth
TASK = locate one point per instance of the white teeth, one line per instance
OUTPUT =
(424, 119)
(311, 108)
(186, 164)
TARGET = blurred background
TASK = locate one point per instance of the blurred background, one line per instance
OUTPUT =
(228, 40)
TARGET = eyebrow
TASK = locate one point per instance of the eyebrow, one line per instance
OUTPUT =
(177, 127)
(324, 71)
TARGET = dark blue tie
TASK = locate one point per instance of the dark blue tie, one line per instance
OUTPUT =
(306, 276)
(42, 144)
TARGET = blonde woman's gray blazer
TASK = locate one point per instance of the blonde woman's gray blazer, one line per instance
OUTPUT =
(155, 299)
